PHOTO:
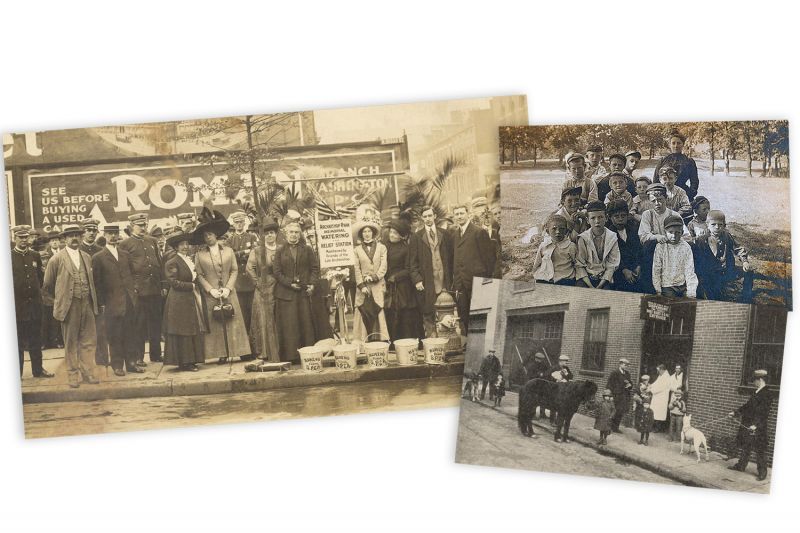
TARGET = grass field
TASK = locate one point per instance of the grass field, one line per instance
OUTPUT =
(757, 211)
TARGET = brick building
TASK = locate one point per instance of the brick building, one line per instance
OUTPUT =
(718, 344)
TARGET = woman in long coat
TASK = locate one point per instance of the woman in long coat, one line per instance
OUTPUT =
(263, 326)
(216, 272)
(370, 268)
(296, 272)
(184, 327)
(401, 303)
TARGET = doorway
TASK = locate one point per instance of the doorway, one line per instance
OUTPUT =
(668, 340)
(528, 334)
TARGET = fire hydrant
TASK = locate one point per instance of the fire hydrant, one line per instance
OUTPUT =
(446, 323)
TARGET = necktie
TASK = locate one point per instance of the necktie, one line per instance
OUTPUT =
(432, 236)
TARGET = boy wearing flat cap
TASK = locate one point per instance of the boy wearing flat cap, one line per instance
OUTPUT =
(673, 263)
(576, 177)
(598, 252)
(716, 254)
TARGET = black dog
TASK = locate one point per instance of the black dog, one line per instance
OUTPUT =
(565, 397)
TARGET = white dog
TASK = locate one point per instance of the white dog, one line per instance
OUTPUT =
(694, 435)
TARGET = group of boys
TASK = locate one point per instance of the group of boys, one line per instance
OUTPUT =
(616, 231)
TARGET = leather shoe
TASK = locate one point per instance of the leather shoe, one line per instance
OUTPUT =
(44, 374)
(141, 363)
(91, 380)
(156, 359)
(119, 372)
(135, 369)
(761, 477)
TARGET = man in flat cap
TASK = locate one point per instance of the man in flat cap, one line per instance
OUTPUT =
(147, 281)
(621, 386)
(684, 165)
(632, 159)
(69, 280)
(490, 368)
(596, 167)
(242, 242)
(116, 298)
(560, 372)
(26, 269)
(576, 177)
(754, 420)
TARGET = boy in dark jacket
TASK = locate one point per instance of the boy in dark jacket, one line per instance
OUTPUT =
(644, 422)
(605, 412)
(621, 222)
(715, 259)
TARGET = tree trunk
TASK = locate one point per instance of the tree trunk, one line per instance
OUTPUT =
(727, 163)
(765, 151)
(503, 154)
(711, 150)
(535, 155)
(749, 150)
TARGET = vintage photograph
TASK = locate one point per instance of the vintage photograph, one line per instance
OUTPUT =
(621, 385)
(252, 267)
(694, 209)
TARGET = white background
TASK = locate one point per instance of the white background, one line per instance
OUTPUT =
(64, 65)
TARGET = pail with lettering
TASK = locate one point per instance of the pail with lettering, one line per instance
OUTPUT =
(406, 350)
(377, 354)
(435, 348)
(345, 356)
(311, 358)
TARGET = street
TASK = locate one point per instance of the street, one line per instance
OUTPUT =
(489, 438)
(79, 418)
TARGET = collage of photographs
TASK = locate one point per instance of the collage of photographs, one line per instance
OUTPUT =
(621, 288)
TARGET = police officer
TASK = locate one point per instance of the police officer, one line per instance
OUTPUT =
(753, 426)
(242, 242)
(26, 267)
(89, 241)
(147, 277)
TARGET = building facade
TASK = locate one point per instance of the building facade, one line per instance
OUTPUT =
(718, 344)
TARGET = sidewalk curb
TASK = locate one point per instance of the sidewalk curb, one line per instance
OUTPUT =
(245, 383)
(681, 476)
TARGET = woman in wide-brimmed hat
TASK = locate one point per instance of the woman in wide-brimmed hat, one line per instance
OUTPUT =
(401, 303)
(184, 327)
(370, 269)
(263, 330)
(216, 272)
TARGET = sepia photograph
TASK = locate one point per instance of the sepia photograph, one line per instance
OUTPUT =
(692, 209)
(621, 385)
(252, 267)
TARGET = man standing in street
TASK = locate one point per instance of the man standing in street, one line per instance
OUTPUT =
(147, 282)
(242, 242)
(89, 245)
(620, 385)
(473, 256)
(430, 254)
(753, 426)
(490, 368)
(70, 282)
(26, 269)
(116, 298)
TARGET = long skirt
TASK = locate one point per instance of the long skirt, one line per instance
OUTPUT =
(183, 349)
(238, 342)
(263, 327)
(403, 323)
(378, 333)
(295, 327)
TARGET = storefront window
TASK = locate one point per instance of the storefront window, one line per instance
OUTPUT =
(765, 348)
(594, 344)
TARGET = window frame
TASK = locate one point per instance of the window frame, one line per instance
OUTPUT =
(601, 355)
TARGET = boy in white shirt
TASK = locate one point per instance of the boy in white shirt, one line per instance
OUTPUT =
(598, 252)
(554, 261)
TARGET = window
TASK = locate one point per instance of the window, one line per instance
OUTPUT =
(594, 343)
(477, 322)
(765, 348)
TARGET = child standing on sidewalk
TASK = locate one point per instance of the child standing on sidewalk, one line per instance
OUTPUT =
(605, 412)
(499, 390)
(644, 423)
(677, 408)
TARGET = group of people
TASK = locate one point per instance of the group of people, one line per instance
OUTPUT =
(617, 230)
(209, 290)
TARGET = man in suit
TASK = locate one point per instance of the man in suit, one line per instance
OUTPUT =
(490, 368)
(430, 255)
(26, 268)
(89, 245)
(242, 242)
(116, 298)
(296, 272)
(753, 426)
(70, 282)
(473, 255)
(620, 385)
(147, 281)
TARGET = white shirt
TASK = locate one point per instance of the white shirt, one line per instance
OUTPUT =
(113, 250)
(464, 228)
(75, 256)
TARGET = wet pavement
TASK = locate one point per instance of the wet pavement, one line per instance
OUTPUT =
(79, 418)
(489, 439)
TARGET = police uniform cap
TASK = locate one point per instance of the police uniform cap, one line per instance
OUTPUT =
(22, 231)
(184, 216)
(138, 219)
(156, 231)
(90, 223)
